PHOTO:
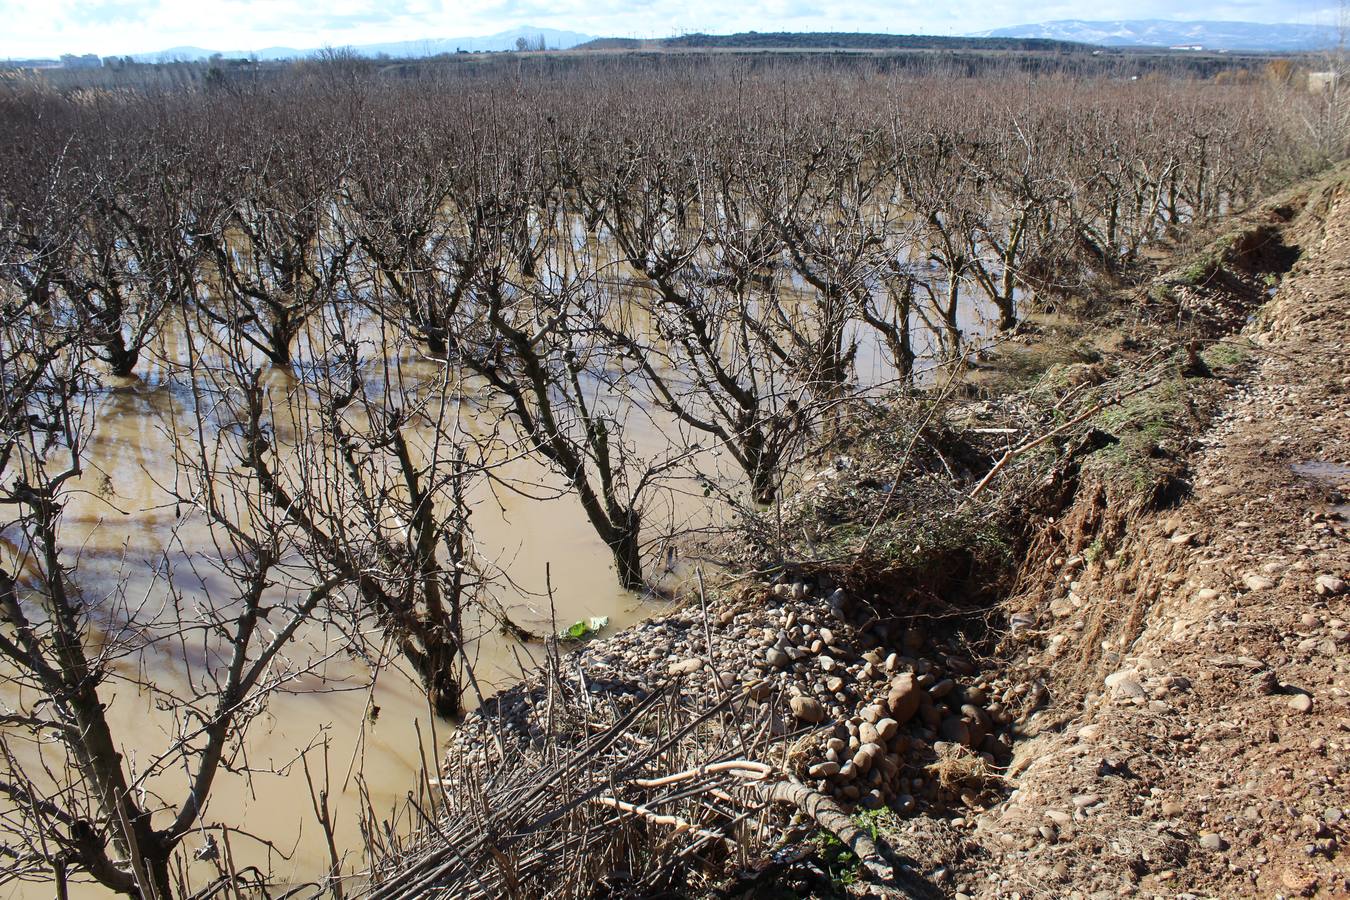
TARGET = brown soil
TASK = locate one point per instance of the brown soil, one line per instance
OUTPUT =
(1197, 737)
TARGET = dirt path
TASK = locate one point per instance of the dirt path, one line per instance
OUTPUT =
(1214, 758)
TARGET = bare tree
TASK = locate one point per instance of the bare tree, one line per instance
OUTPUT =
(369, 479)
(78, 806)
(266, 220)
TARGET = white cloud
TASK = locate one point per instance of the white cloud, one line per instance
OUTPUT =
(50, 27)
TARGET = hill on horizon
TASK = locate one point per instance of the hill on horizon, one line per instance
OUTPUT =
(1211, 35)
(828, 40)
(554, 39)
(1065, 35)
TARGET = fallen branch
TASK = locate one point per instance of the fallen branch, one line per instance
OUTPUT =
(659, 818)
(759, 772)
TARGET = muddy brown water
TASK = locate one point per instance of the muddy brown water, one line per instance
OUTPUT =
(1331, 474)
(133, 551)
(125, 534)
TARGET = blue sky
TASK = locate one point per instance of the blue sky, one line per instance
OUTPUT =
(105, 27)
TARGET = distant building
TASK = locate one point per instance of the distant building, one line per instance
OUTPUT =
(1192, 47)
(88, 61)
(1323, 82)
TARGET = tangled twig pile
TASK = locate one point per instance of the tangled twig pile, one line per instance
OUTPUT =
(608, 797)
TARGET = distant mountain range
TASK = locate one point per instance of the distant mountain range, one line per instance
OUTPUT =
(825, 40)
(1161, 33)
(506, 40)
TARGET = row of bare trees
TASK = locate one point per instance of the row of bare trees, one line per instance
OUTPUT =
(371, 293)
(700, 242)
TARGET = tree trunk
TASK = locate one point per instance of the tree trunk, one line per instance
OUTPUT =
(1007, 302)
(626, 546)
(121, 361)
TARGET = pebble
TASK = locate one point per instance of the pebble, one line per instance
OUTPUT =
(904, 697)
(808, 709)
(685, 666)
(1258, 583)
(776, 658)
(1211, 841)
(1091, 732)
(955, 730)
(824, 770)
(1328, 584)
(941, 689)
(1124, 684)
(1301, 703)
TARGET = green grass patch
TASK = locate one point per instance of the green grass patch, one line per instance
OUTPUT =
(1225, 356)
(1198, 272)
(1145, 426)
(843, 867)
(1095, 549)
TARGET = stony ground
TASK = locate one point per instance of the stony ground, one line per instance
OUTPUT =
(863, 709)
(1213, 758)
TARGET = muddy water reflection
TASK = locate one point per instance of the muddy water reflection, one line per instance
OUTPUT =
(135, 550)
(126, 535)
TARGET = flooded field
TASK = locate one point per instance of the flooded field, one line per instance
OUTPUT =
(136, 555)
(363, 728)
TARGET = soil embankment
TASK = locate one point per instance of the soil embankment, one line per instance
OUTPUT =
(1205, 645)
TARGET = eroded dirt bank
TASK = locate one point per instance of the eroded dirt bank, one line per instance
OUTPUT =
(1210, 755)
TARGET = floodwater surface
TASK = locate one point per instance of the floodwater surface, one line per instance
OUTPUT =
(361, 734)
